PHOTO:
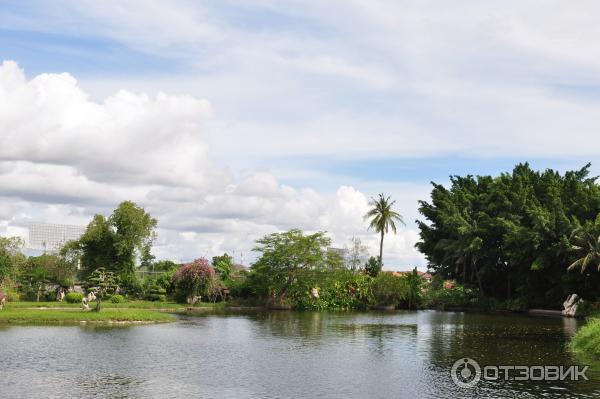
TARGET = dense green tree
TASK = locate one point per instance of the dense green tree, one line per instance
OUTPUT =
(373, 266)
(509, 235)
(414, 285)
(115, 242)
(11, 257)
(134, 231)
(289, 261)
(223, 266)
(164, 266)
(383, 218)
(585, 241)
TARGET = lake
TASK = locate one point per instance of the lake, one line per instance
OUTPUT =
(288, 355)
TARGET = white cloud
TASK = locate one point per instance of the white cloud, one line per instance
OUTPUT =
(64, 157)
(334, 80)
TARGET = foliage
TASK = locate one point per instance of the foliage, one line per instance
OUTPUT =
(458, 296)
(39, 271)
(587, 339)
(103, 283)
(388, 290)
(134, 234)
(382, 219)
(164, 266)
(414, 287)
(57, 269)
(196, 278)
(373, 266)
(585, 241)
(115, 242)
(11, 257)
(288, 261)
(74, 297)
(157, 287)
(223, 266)
(117, 298)
(338, 289)
(510, 235)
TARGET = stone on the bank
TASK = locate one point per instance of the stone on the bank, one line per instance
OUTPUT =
(570, 305)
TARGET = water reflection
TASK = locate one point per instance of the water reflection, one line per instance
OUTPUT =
(287, 355)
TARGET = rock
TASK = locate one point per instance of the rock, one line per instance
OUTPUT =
(570, 305)
(192, 300)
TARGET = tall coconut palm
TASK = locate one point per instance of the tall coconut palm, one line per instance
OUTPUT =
(585, 241)
(383, 218)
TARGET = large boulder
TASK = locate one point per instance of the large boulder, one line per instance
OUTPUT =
(570, 305)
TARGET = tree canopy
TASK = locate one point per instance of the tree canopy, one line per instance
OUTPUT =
(116, 241)
(284, 257)
(511, 235)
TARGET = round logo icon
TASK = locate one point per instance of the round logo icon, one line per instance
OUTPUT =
(466, 372)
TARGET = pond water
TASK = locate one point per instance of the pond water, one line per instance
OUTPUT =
(288, 355)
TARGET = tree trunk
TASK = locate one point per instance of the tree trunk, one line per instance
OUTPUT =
(97, 308)
(381, 250)
(287, 285)
(478, 277)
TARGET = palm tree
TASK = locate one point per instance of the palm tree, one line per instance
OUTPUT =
(383, 218)
(585, 241)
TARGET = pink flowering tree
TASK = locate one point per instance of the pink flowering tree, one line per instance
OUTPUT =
(196, 279)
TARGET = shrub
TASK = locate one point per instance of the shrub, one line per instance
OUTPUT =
(388, 290)
(13, 296)
(156, 294)
(74, 297)
(587, 339)
(337, 290)
(196, 278)
(455, 296)
(517, 305)
(117, 298)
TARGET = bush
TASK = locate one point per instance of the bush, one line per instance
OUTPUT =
(587, 339)
(117, 298)
(588, 308)
(196, 278)
(455, 296)
(74, 297)
(338, 290)
(388, 290)
(157, 294)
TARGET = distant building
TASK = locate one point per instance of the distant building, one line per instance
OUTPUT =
(51, 237)
(426, 276)
(341, 252)
(240, 268)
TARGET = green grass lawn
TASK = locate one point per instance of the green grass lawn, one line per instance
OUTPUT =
(58, 316)
(130, 311)
(107, 304)
(587, 340)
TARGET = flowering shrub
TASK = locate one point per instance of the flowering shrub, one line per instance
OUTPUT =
(196, 278)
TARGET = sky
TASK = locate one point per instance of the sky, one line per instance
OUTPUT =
(228, 120)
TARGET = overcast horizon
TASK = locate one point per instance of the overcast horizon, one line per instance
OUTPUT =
(229, 120)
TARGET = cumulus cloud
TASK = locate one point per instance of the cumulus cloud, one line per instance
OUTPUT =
(64, 157)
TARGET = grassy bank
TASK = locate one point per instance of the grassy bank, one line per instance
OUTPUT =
(587, 339)
(108, 304)
(66, 316)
